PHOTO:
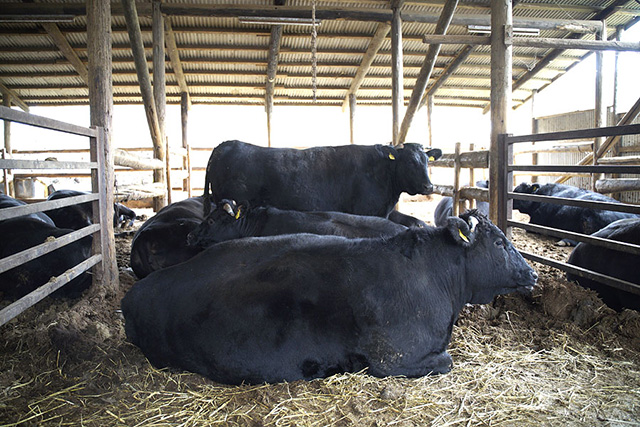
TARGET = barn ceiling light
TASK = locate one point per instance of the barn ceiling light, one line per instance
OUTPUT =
(517, 31)
(269, 20)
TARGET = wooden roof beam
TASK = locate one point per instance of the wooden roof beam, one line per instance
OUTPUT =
(66, 49)
(356, 14)
(427, 68)
(15, 98)
(367, 60)
(555, 53)
(174, 57)
(448, 71)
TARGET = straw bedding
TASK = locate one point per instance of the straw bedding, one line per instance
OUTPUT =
(556, 357)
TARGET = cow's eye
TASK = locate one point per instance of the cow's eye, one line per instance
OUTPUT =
(210, 221)
(499, 243)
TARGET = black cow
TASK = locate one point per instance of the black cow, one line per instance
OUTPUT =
(162, 240)
(80, 216)
(22, 233)
(229, 221)
(444, 209)
(621, 265)
(9, 202)
(356, 179)
(303, 306)
(570, 218)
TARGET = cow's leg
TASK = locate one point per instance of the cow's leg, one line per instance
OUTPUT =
(432, 363)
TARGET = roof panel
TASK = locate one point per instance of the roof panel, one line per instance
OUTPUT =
(225, 61)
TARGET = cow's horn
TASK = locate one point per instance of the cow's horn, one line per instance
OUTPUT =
(473, 222)
(228, 209)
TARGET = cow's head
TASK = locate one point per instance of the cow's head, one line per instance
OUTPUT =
(525, 206)
(493, 264)
(412, 173)
(220, 225)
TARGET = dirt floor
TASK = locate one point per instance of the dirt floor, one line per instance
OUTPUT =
(557, 357)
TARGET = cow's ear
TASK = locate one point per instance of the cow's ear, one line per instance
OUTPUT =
(228, 208)
(460, 231)
(434, 154)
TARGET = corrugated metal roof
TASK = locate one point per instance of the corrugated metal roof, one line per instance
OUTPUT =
(225, 61)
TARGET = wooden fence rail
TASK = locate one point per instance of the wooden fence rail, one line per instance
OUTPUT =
(103, 247)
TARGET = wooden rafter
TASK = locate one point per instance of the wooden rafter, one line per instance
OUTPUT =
(66, 49)
(174, 57)
(8, 93)
(374, 46)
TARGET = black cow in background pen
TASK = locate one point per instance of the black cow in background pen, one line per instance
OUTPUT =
(356, 179)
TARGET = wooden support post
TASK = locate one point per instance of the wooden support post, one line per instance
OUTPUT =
(619, 31)
(6, 154)
(430, 119)
(600, 107)
(534, 129)
(472, 178)
(352, 117)
(503, 182)
(101, 112)
(160, 99)
(184, 119)
(425, 70)
(397, 86)
(501, 76)
(456, 181)
(142, 71)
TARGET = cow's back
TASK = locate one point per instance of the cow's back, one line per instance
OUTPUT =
(607, 261)
(319, 178)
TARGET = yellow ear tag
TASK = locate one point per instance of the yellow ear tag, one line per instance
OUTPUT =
(431, 158)
(238, 213)
(462, 236)
(392, 157)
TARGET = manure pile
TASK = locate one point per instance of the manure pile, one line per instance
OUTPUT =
(556, 357)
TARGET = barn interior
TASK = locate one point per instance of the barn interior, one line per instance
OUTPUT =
(556, 357)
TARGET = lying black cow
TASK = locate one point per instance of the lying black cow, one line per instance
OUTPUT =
(23, 233)
(356, 179)
(444, 209)
(621, 265)
(162, 240)
(9, 202)
(570, 218)
(305, 306)
(80, 216)
(229, 221)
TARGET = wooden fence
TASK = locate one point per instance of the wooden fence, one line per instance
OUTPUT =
(103, 249)
(506, 195)
(457, 160)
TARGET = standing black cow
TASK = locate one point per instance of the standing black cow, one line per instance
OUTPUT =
(306, 306)
(162, 240)
(80, 216)
(621, 265)
(570, 218)
(444, 209)
(356, 179)
(22, 233)
(9, 202)
(229, 221)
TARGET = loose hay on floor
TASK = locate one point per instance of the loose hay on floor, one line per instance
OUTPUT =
(557, 357)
